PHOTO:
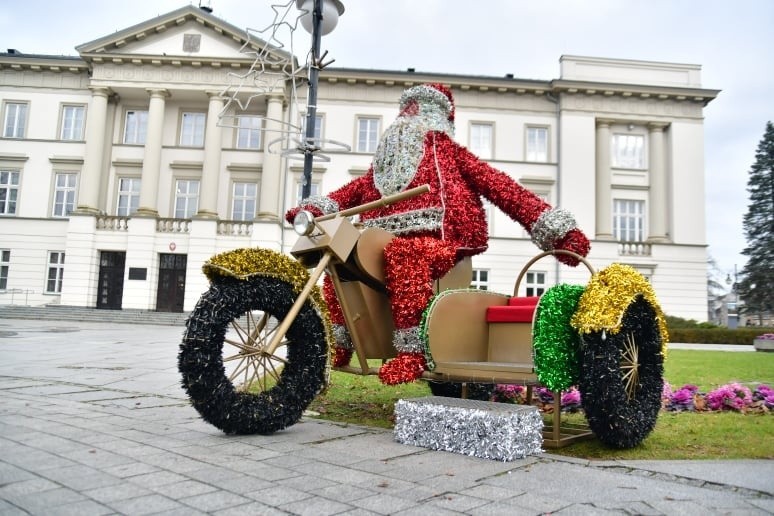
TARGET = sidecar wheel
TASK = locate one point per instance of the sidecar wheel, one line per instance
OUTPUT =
(476, 391)
(231, 380)
(622, 377)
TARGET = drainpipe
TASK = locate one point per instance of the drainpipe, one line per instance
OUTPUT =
(553, 98)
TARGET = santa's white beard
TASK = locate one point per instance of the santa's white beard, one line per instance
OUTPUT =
(398, 155)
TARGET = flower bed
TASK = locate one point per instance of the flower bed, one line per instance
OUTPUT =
(730, 397)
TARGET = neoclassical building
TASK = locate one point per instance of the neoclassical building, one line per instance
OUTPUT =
(123, 169)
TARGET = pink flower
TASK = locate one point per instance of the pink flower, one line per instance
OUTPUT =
(732, 396)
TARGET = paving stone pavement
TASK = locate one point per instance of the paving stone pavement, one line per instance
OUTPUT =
(93, 421)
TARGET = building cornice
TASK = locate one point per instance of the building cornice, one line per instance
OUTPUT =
(508, 84)
(42, 63)
(643, 91)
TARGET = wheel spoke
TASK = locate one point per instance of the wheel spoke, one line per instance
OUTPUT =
(630, 366)
(254, 367)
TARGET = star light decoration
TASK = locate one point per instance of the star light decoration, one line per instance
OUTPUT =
(274, 66)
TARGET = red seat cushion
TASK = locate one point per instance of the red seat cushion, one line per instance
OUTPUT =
(510, 314)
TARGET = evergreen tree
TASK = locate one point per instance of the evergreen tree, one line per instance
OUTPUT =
(756, 287)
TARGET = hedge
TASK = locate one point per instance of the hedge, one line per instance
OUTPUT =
(717, 335)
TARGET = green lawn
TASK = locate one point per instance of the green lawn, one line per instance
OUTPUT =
(705, 435)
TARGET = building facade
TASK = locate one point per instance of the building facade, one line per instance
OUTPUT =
(123, 169)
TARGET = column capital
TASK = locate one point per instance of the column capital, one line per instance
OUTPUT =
(657, 127)
(215, 94)
(158, 92)
(604, 122)
(100, 91)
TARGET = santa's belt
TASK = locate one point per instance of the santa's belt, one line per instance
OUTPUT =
(412, 221)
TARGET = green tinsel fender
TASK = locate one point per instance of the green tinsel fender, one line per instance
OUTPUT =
(555, 342)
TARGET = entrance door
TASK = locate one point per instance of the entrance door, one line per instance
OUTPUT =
(110, 288)
(169, 297)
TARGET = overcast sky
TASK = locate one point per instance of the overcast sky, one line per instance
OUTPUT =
(731, 40)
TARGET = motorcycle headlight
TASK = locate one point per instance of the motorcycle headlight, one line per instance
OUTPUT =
(303, 223)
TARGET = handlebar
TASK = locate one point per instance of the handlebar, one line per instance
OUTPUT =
(384, 201)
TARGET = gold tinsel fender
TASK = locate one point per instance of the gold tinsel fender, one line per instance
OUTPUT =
(246, 262)
(608, 294)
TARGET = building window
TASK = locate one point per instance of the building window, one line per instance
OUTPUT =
(249, 132)
(5, 263)
(72, 122)
(628, 220)
(318, 127)
(136, 127)
(192, 130)
(64, 194)
(15, 122)
(56, 260)
(245, 200)
(535, 283)
(480, 279)
(481, 140)
(367, 134)
(128, 196)
(537, 144)
(186, 198)
(628, 151)
(9, 191)
(313, 192)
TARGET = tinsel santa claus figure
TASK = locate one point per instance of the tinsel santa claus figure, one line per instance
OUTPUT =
(436, 229)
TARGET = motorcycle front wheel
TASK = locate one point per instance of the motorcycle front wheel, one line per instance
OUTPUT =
(231, 378)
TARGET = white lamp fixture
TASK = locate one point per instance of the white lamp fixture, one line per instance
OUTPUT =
(331, 10)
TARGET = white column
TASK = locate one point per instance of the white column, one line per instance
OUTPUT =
(603, 180)
(96, 129)
(658, 198)
(271, 173)
(208, 191)
(151, 163)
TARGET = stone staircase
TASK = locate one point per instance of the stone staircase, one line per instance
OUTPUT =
(77, 313)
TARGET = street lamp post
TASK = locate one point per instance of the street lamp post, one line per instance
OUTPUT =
(733, 318)
(319, 18)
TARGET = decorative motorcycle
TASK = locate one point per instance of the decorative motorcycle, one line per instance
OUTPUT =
(257, 347)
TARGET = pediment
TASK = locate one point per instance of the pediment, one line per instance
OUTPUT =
(187, 35)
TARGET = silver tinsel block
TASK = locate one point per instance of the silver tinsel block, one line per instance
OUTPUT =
(483, 429)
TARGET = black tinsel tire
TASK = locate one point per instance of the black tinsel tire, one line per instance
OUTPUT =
(296, 373)
(622, 378)
(476, 391)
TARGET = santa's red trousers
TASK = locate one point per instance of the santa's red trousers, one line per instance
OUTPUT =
(411, 265)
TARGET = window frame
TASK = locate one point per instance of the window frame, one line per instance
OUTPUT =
(57, 268)
(190, 208)
(476, 280)
(252, 133)
(619, 159)
(70, 193)
(242, 199)
(199, 115)
(371, 141)
(19, 122)
(10, 188)
(475, 147)
(139, 133)
(535, 283)
(128, 194)
(68, 127)
(535, 154)
(5, 268)
(625, 216)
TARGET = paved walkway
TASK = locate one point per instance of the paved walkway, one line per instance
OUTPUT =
(93, 421)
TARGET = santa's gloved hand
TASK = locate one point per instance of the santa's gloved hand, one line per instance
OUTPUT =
(292, 212)
(574, 241)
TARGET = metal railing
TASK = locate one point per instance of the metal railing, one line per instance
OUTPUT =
(14, 291)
